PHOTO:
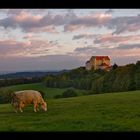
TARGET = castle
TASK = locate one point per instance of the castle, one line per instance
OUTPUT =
(98, 62)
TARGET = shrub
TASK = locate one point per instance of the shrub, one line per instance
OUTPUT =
(5, 96)
(69, 93)
(57, 96)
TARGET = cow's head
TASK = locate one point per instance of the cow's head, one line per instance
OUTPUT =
(44, 106)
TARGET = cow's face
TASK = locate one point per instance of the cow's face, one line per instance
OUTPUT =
(44, 106)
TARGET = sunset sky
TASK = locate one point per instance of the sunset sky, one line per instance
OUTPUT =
(56, 39)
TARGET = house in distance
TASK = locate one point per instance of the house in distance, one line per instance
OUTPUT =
(98, 62)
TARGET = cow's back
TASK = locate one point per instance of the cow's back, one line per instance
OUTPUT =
(27, 96)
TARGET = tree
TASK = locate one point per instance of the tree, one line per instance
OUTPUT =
(115, 66)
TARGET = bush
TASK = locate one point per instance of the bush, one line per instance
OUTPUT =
(5, 96)
(69, 93)
(57, 96)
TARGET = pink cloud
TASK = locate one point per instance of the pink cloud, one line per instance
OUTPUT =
(27, 17)
(113, 52)
(28, 36)
(116, 39)
(32, 47)
(97, 19)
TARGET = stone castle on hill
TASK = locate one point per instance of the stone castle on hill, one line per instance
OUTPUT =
(98, 62)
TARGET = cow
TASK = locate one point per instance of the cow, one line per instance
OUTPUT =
(22, 98)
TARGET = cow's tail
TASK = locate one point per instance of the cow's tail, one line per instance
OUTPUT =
(13, 97)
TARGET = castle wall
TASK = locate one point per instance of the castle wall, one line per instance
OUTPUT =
(88, 66)
(107, 62)
(95, 63)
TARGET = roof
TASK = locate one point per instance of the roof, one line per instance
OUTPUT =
(102, 57)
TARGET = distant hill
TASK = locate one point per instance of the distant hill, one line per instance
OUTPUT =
(29, 74)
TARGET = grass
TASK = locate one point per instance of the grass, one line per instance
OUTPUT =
(49, 92)
(102, 112)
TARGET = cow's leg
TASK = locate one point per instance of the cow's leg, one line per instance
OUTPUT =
(20, 106)
(20, 109)
(15, 105)
(35, 107)
(16, 109)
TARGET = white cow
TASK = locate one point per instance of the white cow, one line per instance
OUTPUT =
(25, 97)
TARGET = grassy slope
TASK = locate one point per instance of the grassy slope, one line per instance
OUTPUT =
(49, 92)
(103, 112)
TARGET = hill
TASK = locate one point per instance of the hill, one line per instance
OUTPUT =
(121, 78)
(28, 74)
(102, 112)
(48, 92)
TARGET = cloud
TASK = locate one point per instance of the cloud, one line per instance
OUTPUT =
(35, 20)
(124, 24)
(23, 20)
(109, 11)
(12, 48)
(98, 19)
(54, 42)
(30, 48)
(50, 62)
(119, 24)
(48, 29)
(87, 36)
(14, 11)
(115, 39)
(28, 36)
(82, 49)
(28, 21)
(128, 46)
(122, 50)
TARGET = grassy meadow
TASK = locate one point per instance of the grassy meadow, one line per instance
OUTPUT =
(100, 112)
(49, 92)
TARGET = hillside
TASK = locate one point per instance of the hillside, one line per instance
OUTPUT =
(49, 92)
(102, 112)
(28, 74)
(121, 78)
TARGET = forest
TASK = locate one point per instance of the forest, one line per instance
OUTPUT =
(120, 78)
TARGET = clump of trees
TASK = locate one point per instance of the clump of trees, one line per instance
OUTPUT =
(14, 81)
(68, 93)
(77, 78)
(5, 95)
(119, 78)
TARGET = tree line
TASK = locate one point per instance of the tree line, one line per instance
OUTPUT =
(119, 78)
(14, 81)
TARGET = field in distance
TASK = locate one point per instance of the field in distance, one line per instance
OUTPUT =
(49, 92)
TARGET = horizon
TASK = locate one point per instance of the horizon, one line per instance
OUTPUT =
(9, 72)
(64, 39)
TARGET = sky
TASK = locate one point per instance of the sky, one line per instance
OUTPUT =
(57, 39)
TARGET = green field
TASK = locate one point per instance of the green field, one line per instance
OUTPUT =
(49, 92)
(101, 112)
